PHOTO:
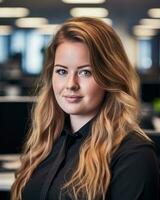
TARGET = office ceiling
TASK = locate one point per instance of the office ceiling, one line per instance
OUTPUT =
(127, 11)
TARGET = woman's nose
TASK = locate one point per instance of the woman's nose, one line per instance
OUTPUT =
(72, 82)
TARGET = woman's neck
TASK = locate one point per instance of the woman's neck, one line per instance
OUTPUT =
(78, 121)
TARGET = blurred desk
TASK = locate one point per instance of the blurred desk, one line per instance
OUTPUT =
(6, 180)
(8, 166)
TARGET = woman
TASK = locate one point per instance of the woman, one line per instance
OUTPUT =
(85, 141)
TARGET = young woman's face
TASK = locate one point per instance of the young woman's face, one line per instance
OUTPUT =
(75, 89)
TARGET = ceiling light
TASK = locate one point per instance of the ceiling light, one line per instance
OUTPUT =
(84, 1)
(107, 21)
(154, 23)
(154, 12)
(143, 31)
(5, 30)
(7, 12)
(49, 29)
(31, 22)
(89, 12)
(143, 27)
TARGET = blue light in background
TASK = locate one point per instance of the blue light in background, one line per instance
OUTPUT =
(144, 54)
(3, 49)
(33, 55)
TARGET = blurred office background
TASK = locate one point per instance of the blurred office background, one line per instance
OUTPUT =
(26, 29)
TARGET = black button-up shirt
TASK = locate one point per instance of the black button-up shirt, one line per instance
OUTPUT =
(134, 169)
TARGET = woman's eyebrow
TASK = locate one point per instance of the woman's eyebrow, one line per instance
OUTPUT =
(58, 65)
(79, 67)
(83, 66)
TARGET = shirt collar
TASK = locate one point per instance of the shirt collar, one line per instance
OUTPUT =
(84, 131)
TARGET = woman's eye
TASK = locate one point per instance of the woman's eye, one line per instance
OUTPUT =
(85, 73)
(61, 71)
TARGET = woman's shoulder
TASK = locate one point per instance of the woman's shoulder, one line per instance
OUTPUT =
(134, 170)
(134, 147)
(134, 141)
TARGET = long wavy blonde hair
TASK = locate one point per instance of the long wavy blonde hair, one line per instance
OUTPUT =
(117, 116)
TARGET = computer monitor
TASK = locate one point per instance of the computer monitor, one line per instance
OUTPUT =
(150, 91)
(14, 123)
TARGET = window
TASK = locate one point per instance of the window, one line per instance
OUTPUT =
(144, 56)
(30, 45)
(3, 48)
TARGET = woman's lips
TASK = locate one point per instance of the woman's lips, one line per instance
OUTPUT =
(73, 99)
